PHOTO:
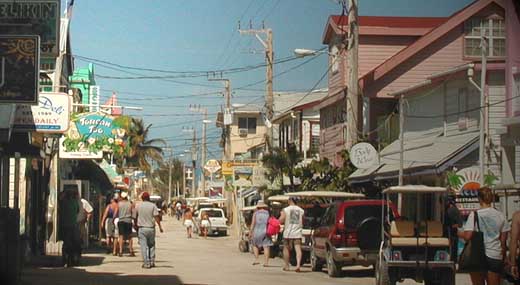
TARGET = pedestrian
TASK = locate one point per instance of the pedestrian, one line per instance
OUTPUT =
(259, 229)
(124, 225)
(514, 257)
(205, 224)
(146, 215)
(494, 227)
(187, 221)
(453, 221)
(108, 222)
(178, 208)
(84, 215)
(292, 219)
(69, 228)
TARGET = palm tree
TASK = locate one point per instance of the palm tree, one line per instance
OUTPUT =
(142, 149)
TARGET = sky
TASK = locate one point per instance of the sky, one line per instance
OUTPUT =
(202, 35)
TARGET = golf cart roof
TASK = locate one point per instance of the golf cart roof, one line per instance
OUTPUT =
(415, 189)
(155, 197)
(197, 199)
(248, 208)
(326, 194)
(278, 198)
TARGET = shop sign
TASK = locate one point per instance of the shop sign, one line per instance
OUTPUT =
(20, 72)
(227, 168)
(363, 155)
(212, 166)
(80, 153)
(243, 176)
(467, 189)
(29, 17)
(259, 178)
(93, 134)
(52, 115)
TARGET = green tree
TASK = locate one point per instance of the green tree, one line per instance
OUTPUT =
(161, 175)
(280, 162)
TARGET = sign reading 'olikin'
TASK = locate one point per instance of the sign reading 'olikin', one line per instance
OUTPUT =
(19, 69)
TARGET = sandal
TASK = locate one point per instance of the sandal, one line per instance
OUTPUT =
(132, 254)
(285, 269)
(256, 263)
(298, 270)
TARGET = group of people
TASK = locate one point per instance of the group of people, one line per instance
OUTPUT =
(292, 219)
(121, 218)
(75, 212)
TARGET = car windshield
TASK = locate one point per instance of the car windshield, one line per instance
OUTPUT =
(212, 214)
(354, 215)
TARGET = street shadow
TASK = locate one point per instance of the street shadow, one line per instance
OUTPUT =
(77, 276)
(358, 273)
(54, 261)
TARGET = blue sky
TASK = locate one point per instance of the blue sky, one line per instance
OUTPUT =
(188, 35)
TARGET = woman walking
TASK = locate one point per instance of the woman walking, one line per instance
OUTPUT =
(494, 227)
(259, 230)
(187, 221)
(108, 223)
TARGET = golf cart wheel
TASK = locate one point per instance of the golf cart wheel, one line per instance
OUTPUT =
(333, 268)
(316, 263)
(243, 246)
(222, 233)
(381, 272)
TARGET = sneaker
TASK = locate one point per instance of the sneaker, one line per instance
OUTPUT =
(146, 266)
(152, 264)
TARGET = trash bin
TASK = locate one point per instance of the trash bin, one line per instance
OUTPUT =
(10, 261)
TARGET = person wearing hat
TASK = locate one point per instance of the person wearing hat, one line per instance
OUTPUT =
(145, 216)
(260, 238)
(292, 219)
(453, 221)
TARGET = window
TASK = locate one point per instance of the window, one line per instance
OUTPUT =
(492, 28)
(462, 108)
(247, 123)
(334, 60)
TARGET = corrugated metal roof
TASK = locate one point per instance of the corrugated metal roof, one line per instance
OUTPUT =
(420, 152)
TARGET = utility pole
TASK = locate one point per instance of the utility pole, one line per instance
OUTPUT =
(170, 176)
(483, 108)
(203, 156)
(194, 162)
(352, 95)
(269, 58)
(183, 180)
(227, 112)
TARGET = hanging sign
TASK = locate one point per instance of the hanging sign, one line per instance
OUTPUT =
(363, 155)
(52, 115)
(33, 17)
(20, 69)
(212, 166)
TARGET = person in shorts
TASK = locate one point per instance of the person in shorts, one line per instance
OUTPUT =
(292, 219)
(124, 225)
(494, 226)
(187, 221)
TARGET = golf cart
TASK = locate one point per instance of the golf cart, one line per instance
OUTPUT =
(245, 224)
(415, 248)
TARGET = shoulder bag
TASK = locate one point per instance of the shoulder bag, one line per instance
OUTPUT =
(473, 257)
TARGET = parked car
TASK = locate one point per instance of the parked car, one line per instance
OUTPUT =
(349, 233)
(314, 204)
(217, 220)
(416, 248)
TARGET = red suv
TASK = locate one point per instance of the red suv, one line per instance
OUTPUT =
(348, 233)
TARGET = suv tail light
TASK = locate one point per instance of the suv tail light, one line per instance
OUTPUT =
(337, 237)
(351, 239)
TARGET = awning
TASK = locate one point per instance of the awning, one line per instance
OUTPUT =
(423, 154)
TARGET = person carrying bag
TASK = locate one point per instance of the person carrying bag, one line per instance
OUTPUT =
(485, 234)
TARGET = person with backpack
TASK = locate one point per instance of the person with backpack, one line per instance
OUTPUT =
(259, 227)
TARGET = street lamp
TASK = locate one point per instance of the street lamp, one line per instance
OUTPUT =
(301, 52)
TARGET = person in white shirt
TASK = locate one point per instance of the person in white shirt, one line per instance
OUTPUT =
(494, 226)
(292, 219)
(84, 215)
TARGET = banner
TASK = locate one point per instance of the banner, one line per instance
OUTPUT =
(51, 115)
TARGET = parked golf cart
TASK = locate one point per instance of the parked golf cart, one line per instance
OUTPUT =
(415, 248)
(245, 224)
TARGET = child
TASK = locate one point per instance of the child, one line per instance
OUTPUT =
(204, 225)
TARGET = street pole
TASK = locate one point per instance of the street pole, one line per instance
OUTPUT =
(183, 180)
(170, 181)
(203, 156)
(401, 151)
(227, 128)
(267, 43)
(194, 163)
(483, 108)
(352, 86)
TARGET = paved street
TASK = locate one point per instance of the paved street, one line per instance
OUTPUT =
(182, 261)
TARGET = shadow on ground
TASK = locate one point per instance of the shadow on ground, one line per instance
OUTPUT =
(77, 276)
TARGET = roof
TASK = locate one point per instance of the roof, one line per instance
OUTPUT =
(278, 198)
(326, 194)
(286, 101)
(451, 23)
(415, 189)
(428, 150)
(383, 25)
(248, 208)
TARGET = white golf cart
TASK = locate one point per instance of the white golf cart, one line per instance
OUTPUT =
(415, 248)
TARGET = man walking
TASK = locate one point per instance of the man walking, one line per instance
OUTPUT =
(292, 219)
(124, 225)
(146, 214)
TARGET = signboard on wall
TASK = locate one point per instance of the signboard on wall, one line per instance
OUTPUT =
(29, 17)
(20, 69)
(51, 115)
(363, 155)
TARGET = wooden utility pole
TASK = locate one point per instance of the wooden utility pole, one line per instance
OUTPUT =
(269, 58)
(483, 109)
(352, 95)
(203, 155)
(227, 128)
